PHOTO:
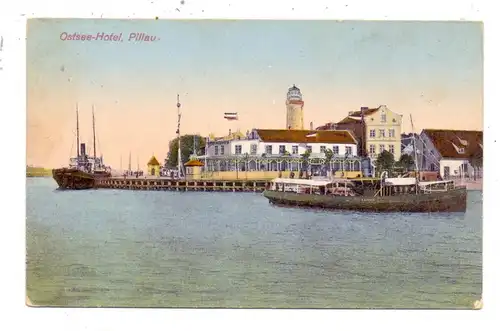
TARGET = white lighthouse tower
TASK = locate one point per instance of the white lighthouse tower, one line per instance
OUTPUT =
(294, 109)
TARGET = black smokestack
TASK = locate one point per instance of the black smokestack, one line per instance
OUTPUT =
(82, 149)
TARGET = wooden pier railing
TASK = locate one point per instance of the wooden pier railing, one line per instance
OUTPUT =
(161, 184)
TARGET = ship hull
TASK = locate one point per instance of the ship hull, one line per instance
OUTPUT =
(74, 179)
(450, 201)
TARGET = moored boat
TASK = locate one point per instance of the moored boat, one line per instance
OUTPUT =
(392, 195)
(83, 169)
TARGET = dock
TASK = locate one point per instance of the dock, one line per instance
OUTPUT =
(165, 184)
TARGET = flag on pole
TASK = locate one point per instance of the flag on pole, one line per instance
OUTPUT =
(231, 116)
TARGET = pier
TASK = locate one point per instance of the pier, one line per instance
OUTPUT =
(164, 184)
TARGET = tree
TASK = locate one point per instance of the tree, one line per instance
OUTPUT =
(476, 161)
(385, 162)
(305, 162)
(406, 162)
(187, 145)
(246, 157)
(328, 159)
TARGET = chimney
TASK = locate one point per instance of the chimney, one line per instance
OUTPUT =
(311, 127)
(363, 108)
(82, 149)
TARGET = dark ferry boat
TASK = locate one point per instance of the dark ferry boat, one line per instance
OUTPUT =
(83, 169)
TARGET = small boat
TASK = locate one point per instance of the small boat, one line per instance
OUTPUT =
(390, 195)
(83, 169)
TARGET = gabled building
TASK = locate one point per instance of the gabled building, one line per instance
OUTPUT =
(452, 152)
(377, 129)
(282, 150)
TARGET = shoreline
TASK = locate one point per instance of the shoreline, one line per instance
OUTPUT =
(198, 185)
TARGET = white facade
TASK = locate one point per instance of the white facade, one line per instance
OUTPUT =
(455, 168)
(447, 167)
(255, 147)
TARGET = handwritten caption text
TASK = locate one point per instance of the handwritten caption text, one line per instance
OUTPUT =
(102, 36)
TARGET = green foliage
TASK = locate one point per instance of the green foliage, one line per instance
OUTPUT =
(385, 161)
(305, 159)
(328, 158)
(187, 142)
(306, 155)
(476, 159)
(405, 162)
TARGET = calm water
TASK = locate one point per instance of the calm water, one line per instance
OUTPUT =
(195, 249)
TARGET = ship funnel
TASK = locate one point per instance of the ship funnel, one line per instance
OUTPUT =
(82, 149)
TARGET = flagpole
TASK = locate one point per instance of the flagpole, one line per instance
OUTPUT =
(179, 151)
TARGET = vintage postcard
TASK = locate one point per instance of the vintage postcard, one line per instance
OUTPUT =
(254, 163)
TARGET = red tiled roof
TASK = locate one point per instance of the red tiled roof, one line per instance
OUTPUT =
(349, 119)
(299, 136)
(367, 111)
(194, 163)
(296, 102)
(446, 140)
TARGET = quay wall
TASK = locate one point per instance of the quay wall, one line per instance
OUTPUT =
(261, 175)
(163, 184)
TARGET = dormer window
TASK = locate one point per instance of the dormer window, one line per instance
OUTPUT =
(460, 150)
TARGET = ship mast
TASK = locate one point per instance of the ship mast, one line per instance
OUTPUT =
(93, 130)
(417, 171)
(130, 162)
(77, 134)
(179, 155)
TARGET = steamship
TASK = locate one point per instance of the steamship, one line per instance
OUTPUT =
(83, 169)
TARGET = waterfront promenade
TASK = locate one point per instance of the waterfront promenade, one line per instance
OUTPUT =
(242, 185)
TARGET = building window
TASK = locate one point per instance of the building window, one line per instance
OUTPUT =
(348, 150)
(383, 118)
(372, 133)
(381, 148)
(253, 149)
(391, 133)
(309, 149)
(391, 149)
(372, 149)
(381, 133)
(216, 150)
(322, 149)
(222, 150)
(282, 149)
(269, 149)
(295, 149)
(335, 150)
(237, 149)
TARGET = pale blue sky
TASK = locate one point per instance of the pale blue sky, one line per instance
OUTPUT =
(432, 70)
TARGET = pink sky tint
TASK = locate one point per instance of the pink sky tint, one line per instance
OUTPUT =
(432, 71)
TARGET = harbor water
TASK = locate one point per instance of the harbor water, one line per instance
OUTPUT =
(111, 248)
